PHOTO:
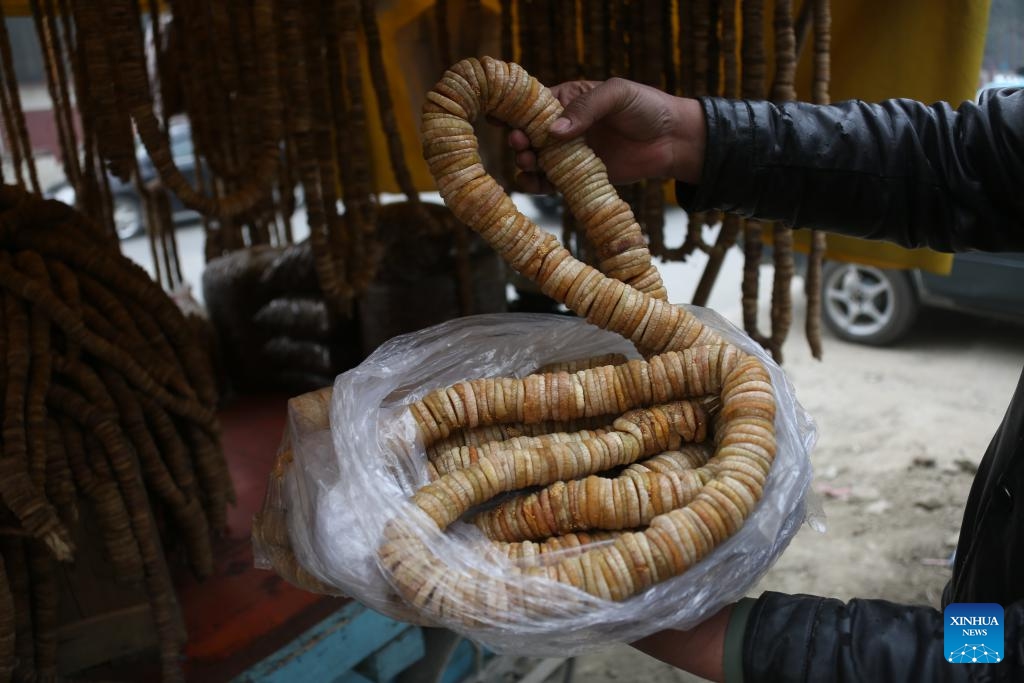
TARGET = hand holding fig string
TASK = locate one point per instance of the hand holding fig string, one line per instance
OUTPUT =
(639, 132)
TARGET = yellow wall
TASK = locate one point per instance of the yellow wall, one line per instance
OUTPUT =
(414, 66)
(922, 49)
(929, 50)
(16, 8)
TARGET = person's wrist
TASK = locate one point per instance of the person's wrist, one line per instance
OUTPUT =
(689, 141)
(699, 650)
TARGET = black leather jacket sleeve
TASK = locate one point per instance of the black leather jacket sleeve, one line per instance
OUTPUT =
(796, 638)
(899, 170)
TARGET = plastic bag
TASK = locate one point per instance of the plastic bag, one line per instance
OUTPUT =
(347, 482)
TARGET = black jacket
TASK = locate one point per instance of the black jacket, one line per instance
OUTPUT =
(919, 176)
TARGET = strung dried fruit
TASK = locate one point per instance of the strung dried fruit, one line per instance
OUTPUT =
(525, 551)
(604, 390)
(643, 490)
(676, 513)
(108, 398)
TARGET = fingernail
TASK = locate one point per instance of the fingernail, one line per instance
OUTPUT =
(561, 125)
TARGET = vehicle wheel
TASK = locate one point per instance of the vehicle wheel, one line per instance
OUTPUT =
(127, 217)
(867, 305)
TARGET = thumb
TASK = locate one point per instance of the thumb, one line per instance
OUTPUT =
(589, 107)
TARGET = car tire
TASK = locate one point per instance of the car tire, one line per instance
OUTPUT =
(127, 217)
(868, 305)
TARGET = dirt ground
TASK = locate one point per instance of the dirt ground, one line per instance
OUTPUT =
(901, 431)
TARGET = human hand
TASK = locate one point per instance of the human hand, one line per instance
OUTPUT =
(638, 132)
(699, 650)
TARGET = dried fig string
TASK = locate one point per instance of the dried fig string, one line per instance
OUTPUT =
(684, 360)
(46, 29)
(752, 64)
(101, 392)
(14, 118)
(731, 223)
(782, 235)
(813, 280)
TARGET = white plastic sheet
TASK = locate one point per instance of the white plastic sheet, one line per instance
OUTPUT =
(348, 481)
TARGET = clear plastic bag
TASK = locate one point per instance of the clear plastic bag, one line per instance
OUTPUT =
(347, 482)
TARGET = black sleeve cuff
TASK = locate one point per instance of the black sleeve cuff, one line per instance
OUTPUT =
(728, 175)
(732, 651)
(807, 638)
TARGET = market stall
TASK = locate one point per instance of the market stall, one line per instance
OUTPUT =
(143, 430)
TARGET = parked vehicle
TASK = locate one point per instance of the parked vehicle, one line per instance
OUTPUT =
(128, 213)
(877, 306)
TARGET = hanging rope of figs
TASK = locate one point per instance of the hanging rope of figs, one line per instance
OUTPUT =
(692, 48)
(109, 426)
(822, 19)
(699, 406)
